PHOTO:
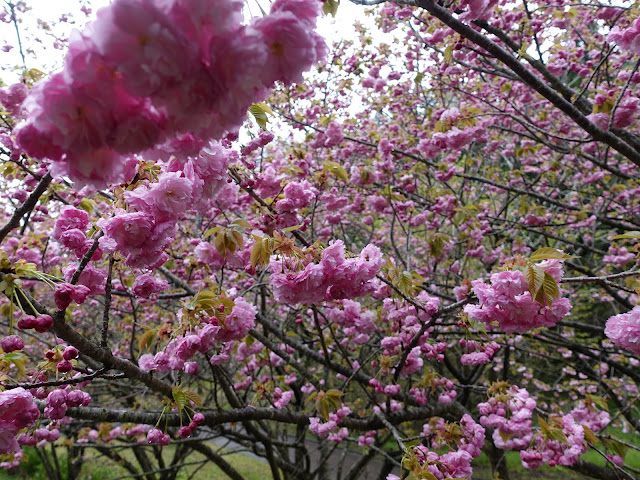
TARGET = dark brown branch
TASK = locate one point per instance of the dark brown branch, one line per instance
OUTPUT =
(27, 206)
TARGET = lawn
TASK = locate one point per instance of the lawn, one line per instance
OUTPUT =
(97, 467)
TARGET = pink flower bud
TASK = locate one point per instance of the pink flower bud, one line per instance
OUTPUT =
(70, 353)
(45, 322)
(64, 366)
(198, 418)
(12, 343)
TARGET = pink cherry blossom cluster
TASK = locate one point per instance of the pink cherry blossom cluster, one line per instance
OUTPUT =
(158, 437)
(478, 353)
(297, 195)
(59, 400)
(65, 293)
(17, 411)
(335, 277)
(147, 70)
(331, 427)
(147, 286)
(507, 301)
(282, 398)
(188, 182)
(454, 464)
(510, 417)
(624, 330)
(334, 135)
(618, 256)
(138, 236)
(186, 430)
(40, 437)
(477, 9)
(591, 417)
(70, 230)
(627, 39)
(262, 140)
(556, 452)
(406, 321)
(357, 325)
(178, 352)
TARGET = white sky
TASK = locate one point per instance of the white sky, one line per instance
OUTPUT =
(48, 12)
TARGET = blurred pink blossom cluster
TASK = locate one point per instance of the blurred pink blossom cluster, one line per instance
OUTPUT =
(627, 39)
(147, 70)
(17, 411)
(624, 330)
(507, 301)
(334, 278)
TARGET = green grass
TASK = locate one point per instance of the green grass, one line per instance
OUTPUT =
(98, 467)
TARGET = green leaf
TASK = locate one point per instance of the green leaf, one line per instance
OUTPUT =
(617, 447)
(87, 205)
(291, 229)
(18, 359)
(535, 278)
(146, 339)
(179, 397)
(220, 243)
(548, 253)
(261, 251)
(448, 54)
(599, 401)
(256, 253)
(548, 292)
(339, 172)
(590, 437)
(211, 231)
(559, 436)
(259, 112)
(322, 406)
(241, 222)
(633, 234)
(194, 397)
(330, 7)
(427, 476)
(544, 427)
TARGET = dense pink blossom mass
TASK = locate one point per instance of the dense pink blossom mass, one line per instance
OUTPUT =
(146, 71)
(507, 302)
(408, 252)
(334, 278)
